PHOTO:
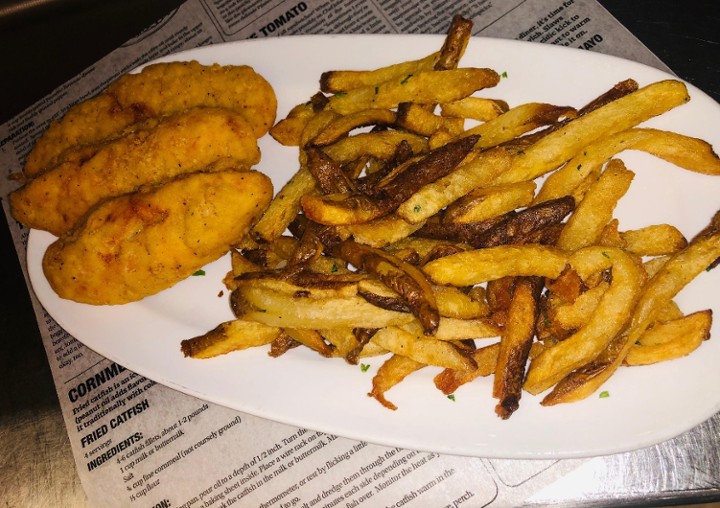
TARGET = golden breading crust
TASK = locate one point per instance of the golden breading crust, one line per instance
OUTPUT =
(193, 140)
(138, 244)
(159, 89)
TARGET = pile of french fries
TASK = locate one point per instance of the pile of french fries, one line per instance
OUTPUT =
(416, 228)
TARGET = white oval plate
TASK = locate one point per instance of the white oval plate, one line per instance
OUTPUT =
(646, 404)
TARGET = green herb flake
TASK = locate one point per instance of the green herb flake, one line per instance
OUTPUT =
(199, 273)
(406, 78)
(605, 254)
(604, 394)
(340, 94)
(377, 90)
(579, 167)
(417, 208)
(364, 367)
(334, 268)
(504, 74)
(451, 397)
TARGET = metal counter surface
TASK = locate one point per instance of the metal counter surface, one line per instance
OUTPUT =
(44, 43)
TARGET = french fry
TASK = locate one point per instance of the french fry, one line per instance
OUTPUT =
(556, 148)
(427, 87)
(342, 81)
(227, 337)
(418, 119)
(439, 353)
(517, 121)
(474, 108)
(481, 265)
(515, 343)
(436, 195)
(672, 277)
(354, 208)
(585, 225)
(392, 372)
(654, 240)
(671, 339)
(684, 151)
(609, 319)
(490, 201)
(379, 145)
(408, 281)
(346, 123)
(380, 232)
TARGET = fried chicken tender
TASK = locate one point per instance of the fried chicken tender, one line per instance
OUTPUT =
(138, 244)
(158, 90)
(193, 140)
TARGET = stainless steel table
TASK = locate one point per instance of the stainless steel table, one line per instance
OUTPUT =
(45, 42)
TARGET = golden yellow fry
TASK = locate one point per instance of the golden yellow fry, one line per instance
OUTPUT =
(284, 207)
(416, 118)
(380, 232)
(559, 146)
(577, 314)
(517, 121)
(422, 349)
(482, 265)
(684, 151)
(287, 131)
(449, 380)
(342, 81)
(487, 202)
(586, 224)
(380, 145)
(311, 339)
(654, 240)
(450, 329)
(671, 339)
(428, 87)
(227, 337)
(340, 127)
(435, 196)
(474, 108)
(674, 275)
(392, 372)
(609, 319)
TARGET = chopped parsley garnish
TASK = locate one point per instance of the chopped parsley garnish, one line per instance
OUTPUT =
(606, 254)
(417, 208)
(364, 367)
(199, 272)
(451, 397)
(504, 74)
(604, 394)
(377, 90)
(406, 78)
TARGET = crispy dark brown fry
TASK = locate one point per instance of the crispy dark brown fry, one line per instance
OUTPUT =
(523, 223)
(456, 42)
(328, 173)
(359, 207)
(408, 281)
(515, 344)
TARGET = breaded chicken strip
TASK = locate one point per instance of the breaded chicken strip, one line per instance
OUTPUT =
(196, 139)
(158, 90)
(138, 244)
